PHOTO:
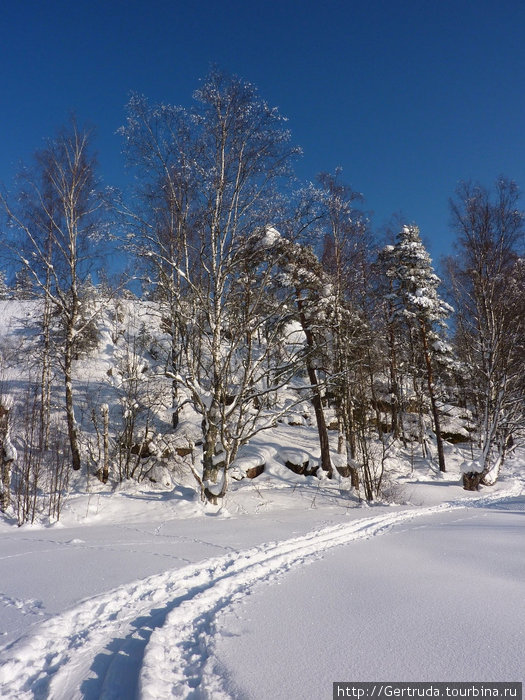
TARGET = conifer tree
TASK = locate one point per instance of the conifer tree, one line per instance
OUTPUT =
(4, 288)
(417, 303)
(312, 294)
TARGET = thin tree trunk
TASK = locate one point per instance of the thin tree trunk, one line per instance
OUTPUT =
(72, 431)
(45, 377)
(324, 443)
(433, 403)
(394, 382)
(105, 464)
(5, 458)
(174, 369)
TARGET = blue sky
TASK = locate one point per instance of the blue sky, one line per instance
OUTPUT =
(408, 97)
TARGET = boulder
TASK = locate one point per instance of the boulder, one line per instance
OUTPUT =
(296, 460)
(254, 472)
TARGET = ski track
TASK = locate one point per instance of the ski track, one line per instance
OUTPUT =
(151, 639)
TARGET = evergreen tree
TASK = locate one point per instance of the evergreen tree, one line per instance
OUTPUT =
(417, 304)
(4, 288)
(24, 286)
(312, 293)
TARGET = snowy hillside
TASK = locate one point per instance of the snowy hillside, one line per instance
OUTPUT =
(123, 411)
(137, 585)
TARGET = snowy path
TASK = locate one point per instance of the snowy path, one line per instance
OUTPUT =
(150, 638)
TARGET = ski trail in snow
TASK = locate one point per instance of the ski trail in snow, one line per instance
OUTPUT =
(177, 662)
(153, 635)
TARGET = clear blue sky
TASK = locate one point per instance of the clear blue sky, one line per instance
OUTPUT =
(407, 96)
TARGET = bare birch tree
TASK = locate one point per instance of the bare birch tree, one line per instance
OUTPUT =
(7, 452)
(212, 175)
(487, 284)
(54, 221)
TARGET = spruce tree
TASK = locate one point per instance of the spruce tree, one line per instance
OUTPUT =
(4, 287)
(417, 303)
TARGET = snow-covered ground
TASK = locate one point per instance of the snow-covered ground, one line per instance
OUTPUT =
(142, 591)
(146, 593)
(439, 598)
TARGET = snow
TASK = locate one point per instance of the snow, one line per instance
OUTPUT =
(249, 457)
(472, 466)
(144, 591)
(271, 236)
(10, 453)
(294, 456)
(440, 346)
(440, 600)
(167, 597)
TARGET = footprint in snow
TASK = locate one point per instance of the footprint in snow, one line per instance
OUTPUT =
(26, 607)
